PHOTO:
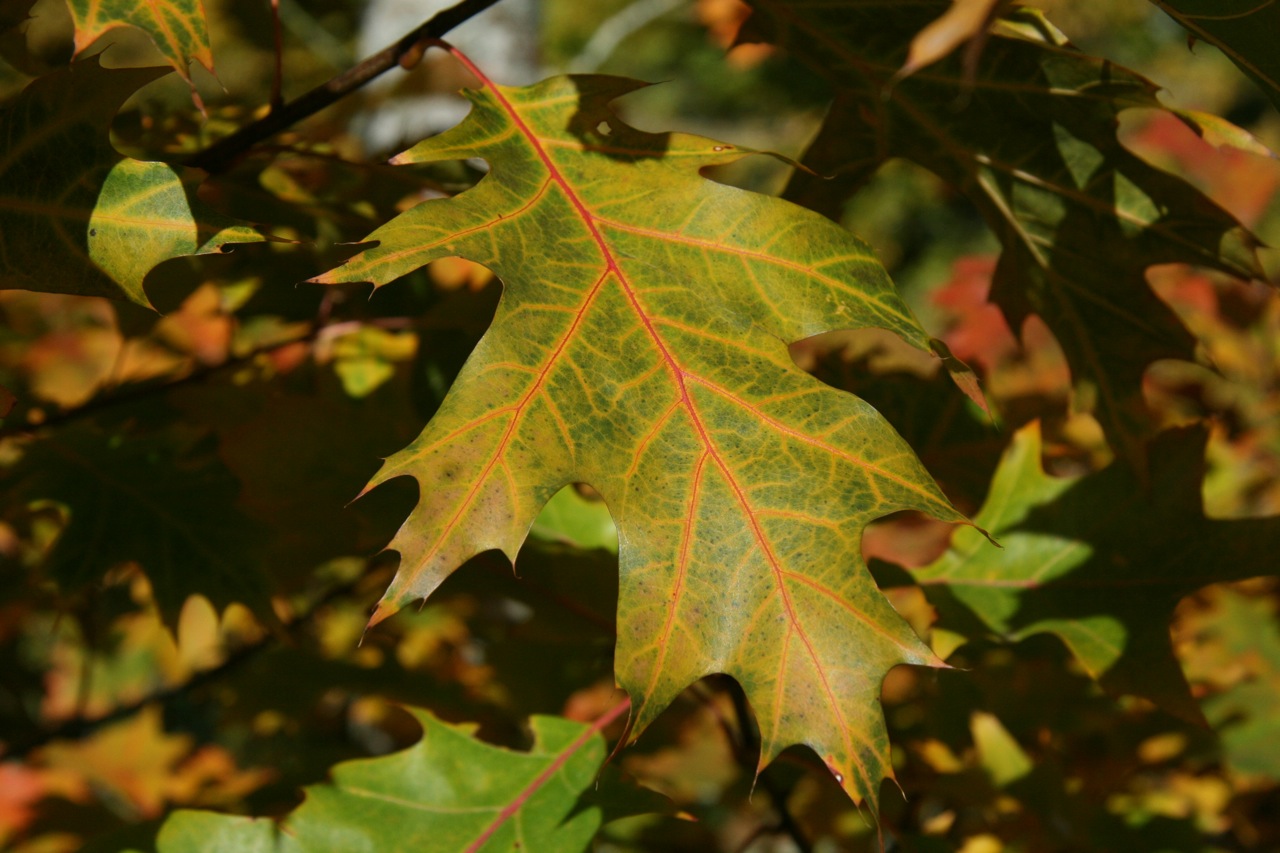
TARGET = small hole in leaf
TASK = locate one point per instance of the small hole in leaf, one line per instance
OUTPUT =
(93, 232)
(603, 128)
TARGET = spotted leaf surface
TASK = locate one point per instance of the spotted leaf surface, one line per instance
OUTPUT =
(640, 347)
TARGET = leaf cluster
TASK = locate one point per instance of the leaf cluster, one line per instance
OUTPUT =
(943, 455)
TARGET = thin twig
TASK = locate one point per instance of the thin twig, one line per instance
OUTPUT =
(146, 389)
(223, 153)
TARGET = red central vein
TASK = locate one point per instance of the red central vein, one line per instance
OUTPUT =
(545, 776)
(679, 375)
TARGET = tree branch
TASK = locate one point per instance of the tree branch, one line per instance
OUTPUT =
(79, 726)
(219, 156)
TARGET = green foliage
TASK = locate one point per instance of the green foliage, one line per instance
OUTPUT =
(1030, 137)
(449, 792)
(730, 468)
(1106, 585)
(157, 495)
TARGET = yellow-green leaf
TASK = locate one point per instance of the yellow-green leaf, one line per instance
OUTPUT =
(640, 347)
(76, 216)
(176, 26)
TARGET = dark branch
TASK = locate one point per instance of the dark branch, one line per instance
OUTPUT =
(143, 390)
(80, 727)
(223, 153)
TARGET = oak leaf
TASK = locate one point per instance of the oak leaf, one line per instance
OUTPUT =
(1242, 29)
(176, 27)
(448, 792)
(157, 497)
(640, 347)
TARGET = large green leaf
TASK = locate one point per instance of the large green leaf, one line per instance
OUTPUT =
(640, 347)
(158, 497)
(1100, 561)
(448, 792)
(1245, 30)
(76, 216)
(176, 26)
(1030, 137)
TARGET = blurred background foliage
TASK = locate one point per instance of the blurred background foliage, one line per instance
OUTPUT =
(266, 405)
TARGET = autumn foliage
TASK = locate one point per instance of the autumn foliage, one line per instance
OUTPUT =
(664, 492)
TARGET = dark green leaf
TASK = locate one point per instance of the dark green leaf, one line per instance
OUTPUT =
(1101, 561)
(1031, 139)
(159, 497)
(1245, 30)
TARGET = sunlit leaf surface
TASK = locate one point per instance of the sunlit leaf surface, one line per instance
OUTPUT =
(176, 26)
(449, 792)
(640, 347)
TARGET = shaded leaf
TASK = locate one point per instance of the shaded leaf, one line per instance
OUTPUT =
(640, 348)
(1031, 139)
(176, 26)
(1100, 561)
(1242, 29)
(76, 216)
(14, 12)
(275, 435)
(157, 497)
(447, 792)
